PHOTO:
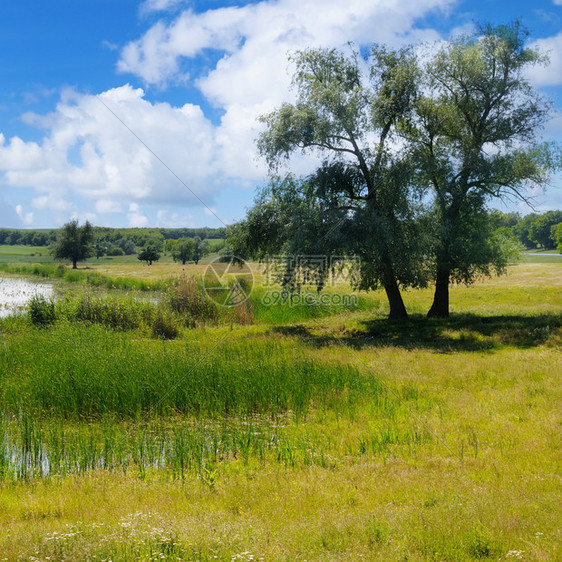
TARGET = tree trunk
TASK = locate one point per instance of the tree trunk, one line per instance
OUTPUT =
(440, 306)
(74, 264)
(390, 284)
(397, 308)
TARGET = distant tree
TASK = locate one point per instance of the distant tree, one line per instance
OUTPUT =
(501, 220)
(200, 249)
(149, 254)
(522, 229)
(114, 251)
(183, 249)
(169, 246)
(100, 247)
(127, 246)
(39, 239)
(540, 229)
(74, 242)
(557, 230)
(14, 238)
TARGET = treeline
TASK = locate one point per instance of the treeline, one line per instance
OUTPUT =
(534, 231)
(113, 241)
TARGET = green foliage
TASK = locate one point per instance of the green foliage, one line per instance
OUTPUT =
(362, 196)
(78, 371)
(41, 311)
(149, 254)
(186, 298)
(74, 242)
(164, 324)
(476, 98)
(118, 313)
(541, 229)
(200, 249)
(557, 232)
(183, 250)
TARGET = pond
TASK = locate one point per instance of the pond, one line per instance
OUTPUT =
(16, 293)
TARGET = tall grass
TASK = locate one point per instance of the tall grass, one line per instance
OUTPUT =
(83, 371)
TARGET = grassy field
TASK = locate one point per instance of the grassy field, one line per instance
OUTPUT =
(301, 434)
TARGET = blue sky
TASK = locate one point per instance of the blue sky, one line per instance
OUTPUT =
(104, 104)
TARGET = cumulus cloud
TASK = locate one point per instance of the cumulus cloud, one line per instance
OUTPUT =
(26, 218)
(136, 217)
(149, 6)
(118, 150)
(548, 74)
(114, 148)
(105, 206)
(255, 38)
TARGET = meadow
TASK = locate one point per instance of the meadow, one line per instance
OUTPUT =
(280, 432)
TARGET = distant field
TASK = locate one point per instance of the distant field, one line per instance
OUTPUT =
(285, 433)
(24, 254)
(542, 257)
(40, 254)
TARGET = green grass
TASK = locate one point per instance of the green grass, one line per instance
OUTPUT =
(307, 434)
(542, 257)
(76, 371)
(83, 277)
(24, 254)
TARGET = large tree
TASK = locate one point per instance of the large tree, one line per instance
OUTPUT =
(346, 111)
(475, 139)
(74, 242)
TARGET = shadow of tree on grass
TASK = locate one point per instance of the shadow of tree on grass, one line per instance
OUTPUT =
(462, 332)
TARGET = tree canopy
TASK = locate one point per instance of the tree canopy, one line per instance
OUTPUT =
(149, 254)
(474, 138)
(348, 114)
(183, 250)
(74, 242)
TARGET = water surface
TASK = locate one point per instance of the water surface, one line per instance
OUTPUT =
(16, 293)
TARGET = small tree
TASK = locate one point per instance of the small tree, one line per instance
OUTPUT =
(183, 250)
(100, 247)
(200, 249)
(149, 254)
(74, 242)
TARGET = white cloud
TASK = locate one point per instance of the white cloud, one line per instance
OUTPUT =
(91, 150)
(45, 202)
(89, 154)
(104, 206)
(26, 218)
(551, 74)
(256, 37)
(136, 217)
(252, 77)
(149, 6)
(176, 220)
